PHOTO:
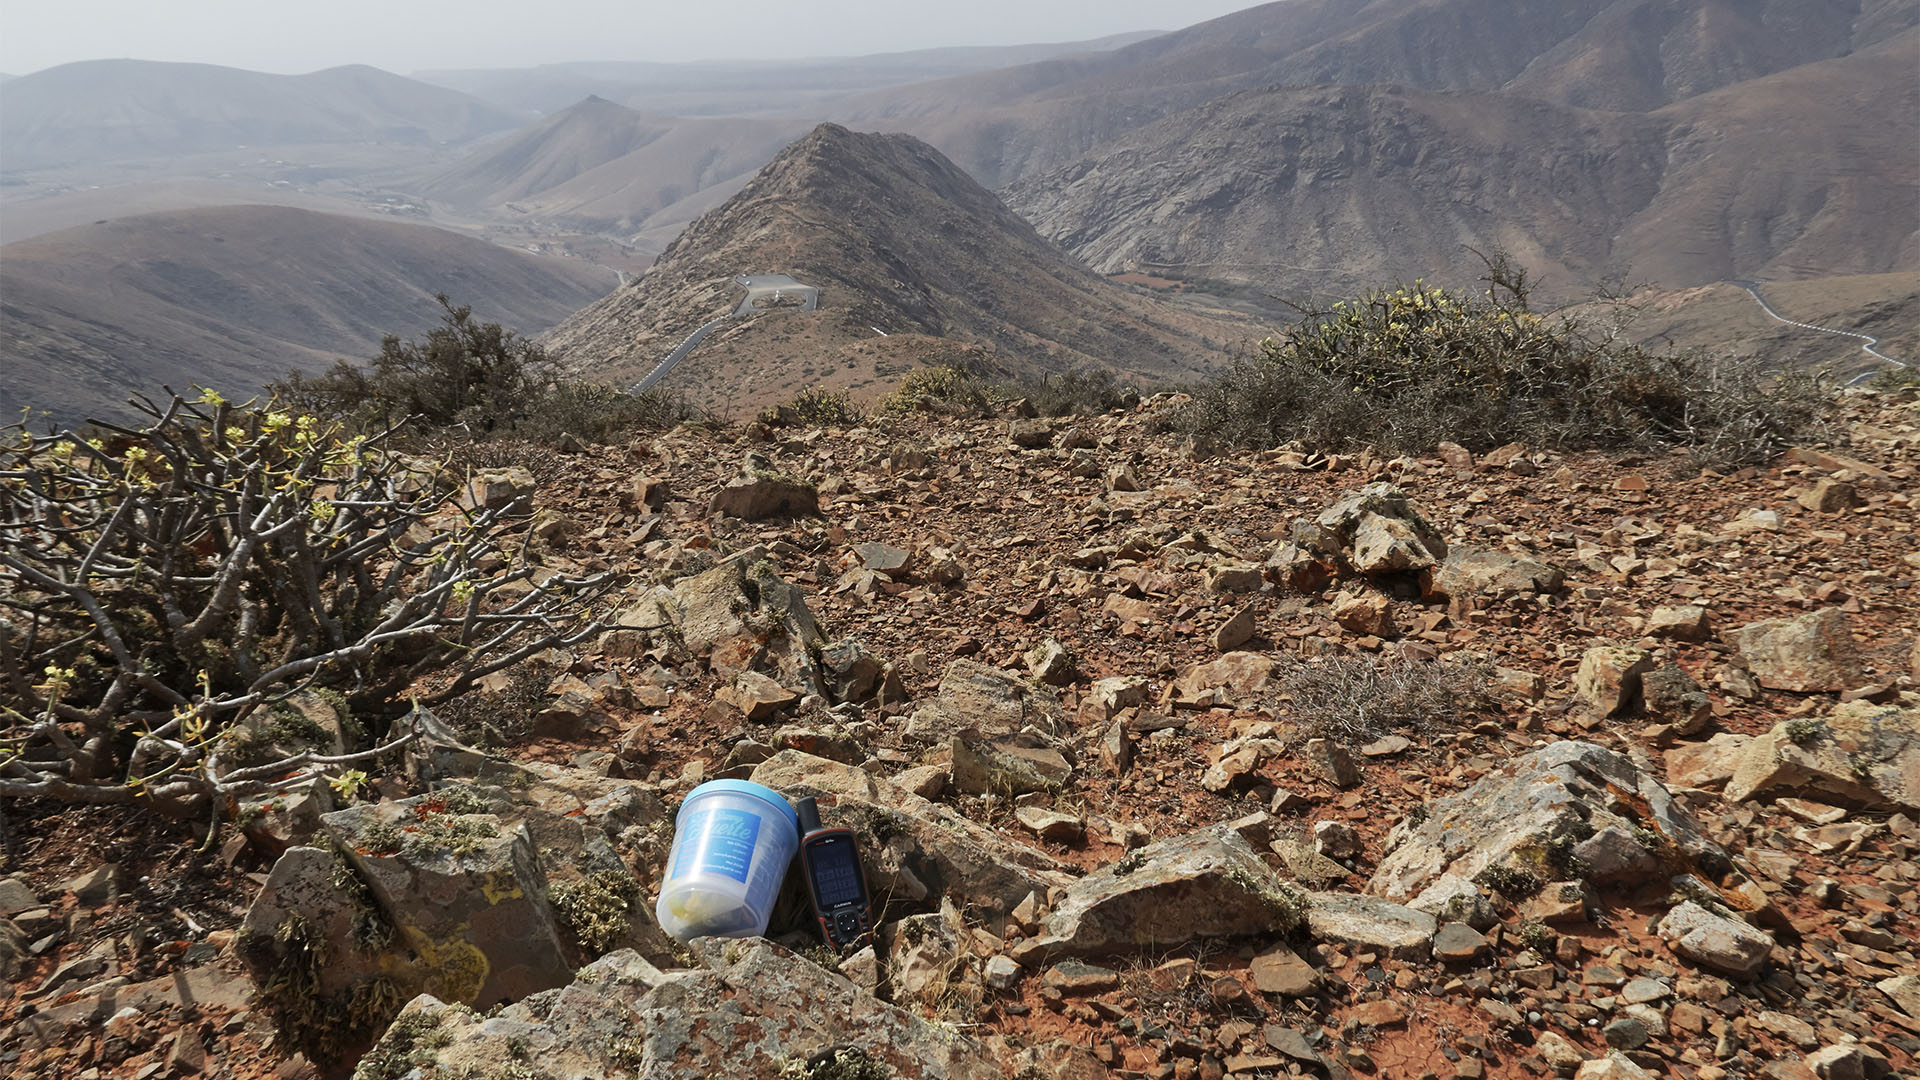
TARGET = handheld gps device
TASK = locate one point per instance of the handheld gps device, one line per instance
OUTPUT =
(836, 884)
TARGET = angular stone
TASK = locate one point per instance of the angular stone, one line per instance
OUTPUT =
(1364, 613)
(852, 673)
(1205, 884)
(766, 495)
(1052, 824)
(511, 489)
(1052, 663)
(1809, 654)
(1671, 696)
(1373, 925)
(1004, 767)
(992, 701)
(466, 896)
(1475, 572)
(1829, 496)
(16, 896)
(1685, 622)
(1335, 839)
(1107, 697)
(1242, 674)
(1904, 991)
(1706, 765)
(1384, 545)
(1567, 805)
(1609, 676)
(1234, 579)
(1725, 945)
(1459, 943)
(1859, 755)
(1236, 631)
(1379, 530)
(883, 558)
(1840, 1062)
(1279, 970)
(757, 696)
(1331, 762)
(1077, 977)
(1615, 1066)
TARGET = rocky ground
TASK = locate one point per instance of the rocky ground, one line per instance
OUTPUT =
(1167, 764)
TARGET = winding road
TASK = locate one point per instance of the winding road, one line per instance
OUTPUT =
(771, 288)
(1753, 290)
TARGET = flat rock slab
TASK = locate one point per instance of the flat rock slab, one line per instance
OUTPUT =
(1567, 805)
(752, 1010)
(1204, 884)
(1371, 924)
(1714, 941)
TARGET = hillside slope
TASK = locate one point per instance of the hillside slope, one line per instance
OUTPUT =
(114, 110)
(899, 241)
(1640, 54)
(1326, 190)
(231, 297)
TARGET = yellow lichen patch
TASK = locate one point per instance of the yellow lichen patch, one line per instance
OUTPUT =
(453, 970)
(500, 885)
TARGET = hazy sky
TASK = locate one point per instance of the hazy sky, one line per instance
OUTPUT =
(408, 35)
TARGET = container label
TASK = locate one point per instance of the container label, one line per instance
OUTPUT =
(717, 841)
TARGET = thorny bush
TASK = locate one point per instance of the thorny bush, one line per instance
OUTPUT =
(163, 585)
(1402, 371)
(479, 381)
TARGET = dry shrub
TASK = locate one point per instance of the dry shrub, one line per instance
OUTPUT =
(1356, 699)
(1402, 371)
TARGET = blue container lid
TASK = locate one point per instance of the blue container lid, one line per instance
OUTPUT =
(748, 788)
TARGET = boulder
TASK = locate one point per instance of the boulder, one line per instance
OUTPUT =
(1204, 884)
(1811, 653)
(1570, 809)
(1861, 755)
(1712, 940)
(1378, 530)
(752, 1009)
(917, 850)
(763, 495)
(1476, 572)
(508, 489)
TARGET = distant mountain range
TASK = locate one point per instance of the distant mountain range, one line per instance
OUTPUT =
(904, 247)
(744, 87)
(231, 297)
(604, 166)
(115, 110)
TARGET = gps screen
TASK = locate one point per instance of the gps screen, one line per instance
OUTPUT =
(836, 873)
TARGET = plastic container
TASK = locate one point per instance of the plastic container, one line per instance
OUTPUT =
(733, 841)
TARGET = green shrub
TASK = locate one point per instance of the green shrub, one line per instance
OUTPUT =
(1081, 392)
(478, 380)
(954, 389)
(817, 406)
(1402, 371)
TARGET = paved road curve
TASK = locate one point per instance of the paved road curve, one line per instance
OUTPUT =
(765, 292)
(1753, 290)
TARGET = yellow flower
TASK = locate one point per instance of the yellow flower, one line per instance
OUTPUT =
(236, 434)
